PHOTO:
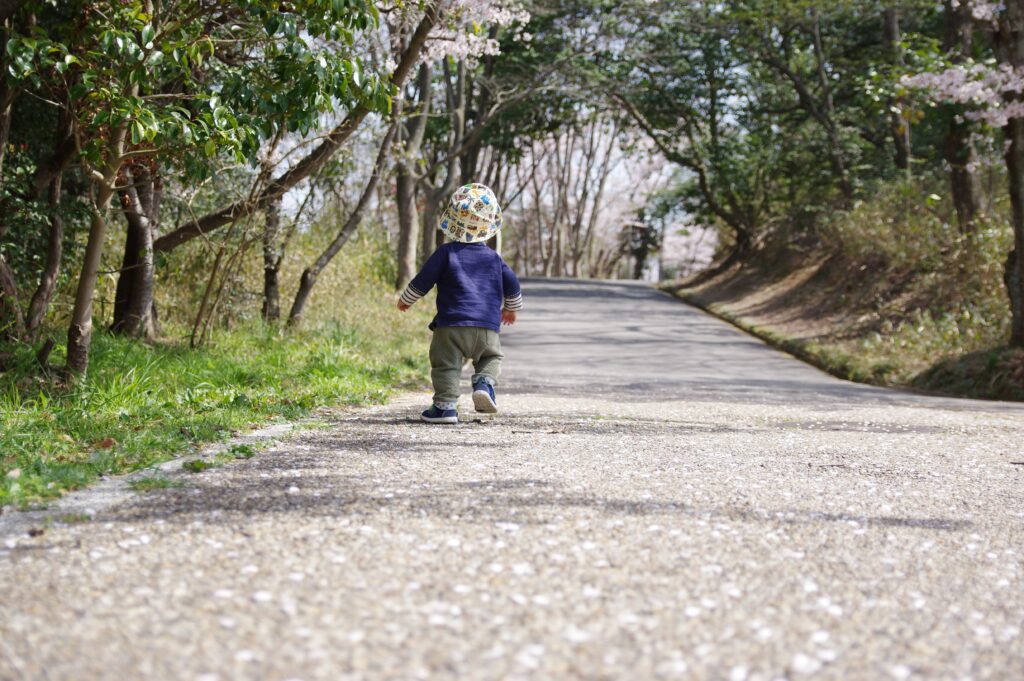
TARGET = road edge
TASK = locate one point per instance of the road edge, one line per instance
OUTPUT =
(835, 364)
(109, 491)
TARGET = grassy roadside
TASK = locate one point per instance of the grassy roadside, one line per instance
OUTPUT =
(994, 373)
(143, 404)
(889, 292)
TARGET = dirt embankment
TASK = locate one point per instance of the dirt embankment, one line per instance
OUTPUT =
(863, 324)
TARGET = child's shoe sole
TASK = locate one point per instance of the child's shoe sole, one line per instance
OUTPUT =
(439, 419)
(483, 402)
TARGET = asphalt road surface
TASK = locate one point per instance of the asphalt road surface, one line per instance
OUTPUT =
(661, 496)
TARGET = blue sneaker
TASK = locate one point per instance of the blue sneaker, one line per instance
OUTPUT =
(483, 397)
(436, 415)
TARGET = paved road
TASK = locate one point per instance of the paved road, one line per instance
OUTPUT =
(663, 497)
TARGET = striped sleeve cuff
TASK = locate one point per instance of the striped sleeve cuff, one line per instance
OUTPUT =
(515, 302)
(410, 295)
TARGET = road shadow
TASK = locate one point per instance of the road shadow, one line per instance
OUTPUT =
(483, 501)
(270, 485)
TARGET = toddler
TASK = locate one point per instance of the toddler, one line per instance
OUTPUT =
(476, 293)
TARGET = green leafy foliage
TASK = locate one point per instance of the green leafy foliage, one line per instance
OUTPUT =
(190, 88)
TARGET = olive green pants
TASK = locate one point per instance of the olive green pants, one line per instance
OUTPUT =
(451, 347)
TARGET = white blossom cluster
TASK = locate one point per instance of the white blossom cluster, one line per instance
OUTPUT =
(992, 93)
(463, 32)
(981, 10)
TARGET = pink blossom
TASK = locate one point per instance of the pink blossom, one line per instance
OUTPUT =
(991, 92)
(463, 31)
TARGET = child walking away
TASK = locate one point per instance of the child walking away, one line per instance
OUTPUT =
(476, 293)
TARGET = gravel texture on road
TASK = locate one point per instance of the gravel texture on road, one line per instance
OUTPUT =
(661, 496)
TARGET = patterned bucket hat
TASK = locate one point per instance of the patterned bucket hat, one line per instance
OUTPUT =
(473, 214)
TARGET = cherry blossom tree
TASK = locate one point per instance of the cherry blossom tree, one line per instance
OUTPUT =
(468, 29)
(450, 76)
(994, 94)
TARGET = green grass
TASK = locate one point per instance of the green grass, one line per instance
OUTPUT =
(917, 292)
(72, 518)
(141, 404)
(241, 451)
(198, 465)
(996, 373)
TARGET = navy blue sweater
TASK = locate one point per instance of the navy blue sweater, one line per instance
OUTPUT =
(473, 286)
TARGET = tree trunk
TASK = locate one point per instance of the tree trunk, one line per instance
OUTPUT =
(48, 176)
(309, 275)
(429, 232)
(12, 324)
(898, 126)
(272, 256)
(140, 319)
(958, 152)
(408, 225)
(525, 231)
(54, 251)
(1010, 48)
(133, 304)
(412, 134)
(1014, 272)
(549, 250)
(957, 149)
(828, 111)
(125, 282)
(559, 266)
(517, 255)
(80, 329)
(437, 196)
(543, 247)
